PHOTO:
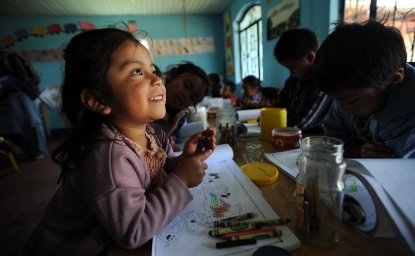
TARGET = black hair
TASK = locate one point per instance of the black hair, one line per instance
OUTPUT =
(230, 84)
(158, 71)
(187, 67)
(295, 44)
(252, 81)
(359, 55)
(214, 78)
(87, 60)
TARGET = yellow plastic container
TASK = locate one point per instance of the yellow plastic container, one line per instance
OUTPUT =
(260, 173)
(272, 118)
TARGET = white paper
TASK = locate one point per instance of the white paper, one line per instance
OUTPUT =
(392, 181)
(245, 115)
(286, 161)
(224, 192)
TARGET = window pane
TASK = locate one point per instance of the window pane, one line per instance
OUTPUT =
(253, 50)
(250, 17)
(399, 14)
(356, 10)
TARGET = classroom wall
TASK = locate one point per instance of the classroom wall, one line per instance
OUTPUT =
(159, 27)
(317, 15)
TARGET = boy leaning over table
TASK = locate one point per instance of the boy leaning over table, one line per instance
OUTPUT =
(362, 66)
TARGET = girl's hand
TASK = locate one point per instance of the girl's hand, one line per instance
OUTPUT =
(200, 142)
(191, 170)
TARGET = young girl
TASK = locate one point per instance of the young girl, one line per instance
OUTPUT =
(186, 85)
(114, 188)
(251, 97)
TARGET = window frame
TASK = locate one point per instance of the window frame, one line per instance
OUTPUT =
(259, 52)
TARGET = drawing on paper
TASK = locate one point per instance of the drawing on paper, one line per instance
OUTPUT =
(216, 196)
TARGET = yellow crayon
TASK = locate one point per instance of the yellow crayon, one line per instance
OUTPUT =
(221, 231)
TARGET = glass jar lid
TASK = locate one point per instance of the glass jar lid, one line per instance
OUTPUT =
(286, 131)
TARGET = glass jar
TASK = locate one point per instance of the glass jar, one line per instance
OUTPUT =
(319, 190)
(226, 126)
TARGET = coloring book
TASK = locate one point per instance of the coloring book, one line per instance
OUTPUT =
(224, 192)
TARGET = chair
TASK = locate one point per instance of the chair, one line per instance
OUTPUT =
(6, 148)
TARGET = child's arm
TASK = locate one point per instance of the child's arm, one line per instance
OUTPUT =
(376, 150)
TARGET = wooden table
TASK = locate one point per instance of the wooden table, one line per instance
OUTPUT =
(278, 195)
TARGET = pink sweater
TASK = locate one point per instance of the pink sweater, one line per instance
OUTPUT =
(105, 200)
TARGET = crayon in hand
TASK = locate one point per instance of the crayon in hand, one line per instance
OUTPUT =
(202, 144)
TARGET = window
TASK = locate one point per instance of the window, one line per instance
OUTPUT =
(396, 13)
(250, 39)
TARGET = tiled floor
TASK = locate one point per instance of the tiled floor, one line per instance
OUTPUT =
(23, 197)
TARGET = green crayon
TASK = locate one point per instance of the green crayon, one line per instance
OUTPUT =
(271, 222)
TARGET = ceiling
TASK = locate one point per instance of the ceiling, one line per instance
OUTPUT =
(110, 7)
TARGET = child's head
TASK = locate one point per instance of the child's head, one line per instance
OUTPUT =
(358, 65)
(296, 50)
(214, 79)
(269, 96)
(228, 88)
(251, 86)
(186, 84)
(109, 77)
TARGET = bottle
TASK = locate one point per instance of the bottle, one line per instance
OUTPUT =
(226, 126)
(271, 118)
(319, 190)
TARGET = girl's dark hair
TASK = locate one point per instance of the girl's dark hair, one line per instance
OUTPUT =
(252, 81)
(231, 85)
(295, 44)
(188, 67)
(87, 59)
(359, 55)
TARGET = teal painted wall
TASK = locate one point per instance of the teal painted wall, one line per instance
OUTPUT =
(159, 27)
(317, 15)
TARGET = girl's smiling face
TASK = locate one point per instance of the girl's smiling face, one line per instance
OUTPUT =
(137, 96)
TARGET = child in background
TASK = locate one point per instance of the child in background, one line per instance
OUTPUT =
(373, 88)
(251, 96)
(114, 188)
(215, 85)
(186, 85)
(306, 105)
(269, 97)
(228, 91)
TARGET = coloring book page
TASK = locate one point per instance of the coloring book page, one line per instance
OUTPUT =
(224, 192)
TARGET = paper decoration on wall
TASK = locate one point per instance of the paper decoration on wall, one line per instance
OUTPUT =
(132, 26)
(161, 47)
(41, 31)
(85, 26)
(282, 17)
(228, 44)
(183, 46)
